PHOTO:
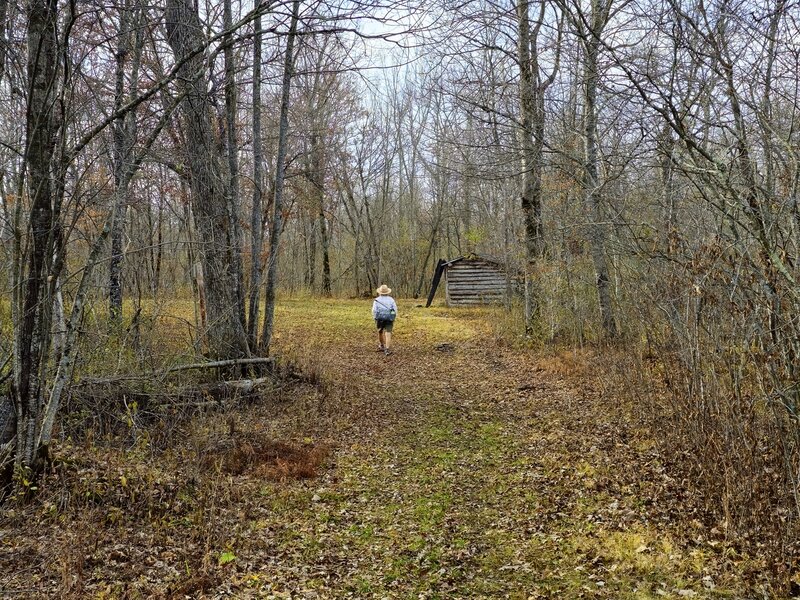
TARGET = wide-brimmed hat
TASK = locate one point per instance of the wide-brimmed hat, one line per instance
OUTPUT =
(384, 290)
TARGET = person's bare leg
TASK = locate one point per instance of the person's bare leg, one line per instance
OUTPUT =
(381, 341)
(388, 337)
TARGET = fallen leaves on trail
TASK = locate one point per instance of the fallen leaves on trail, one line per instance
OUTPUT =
(485, 472)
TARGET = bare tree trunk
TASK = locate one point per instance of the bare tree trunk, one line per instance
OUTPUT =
(668, 189)
(428, 253)
(233, 162)
(124, 139)
(592, 187)
(766, 116)
(256, 217)
(209, 185)
(469, 193)
(42, 130)
(531, 133)
(316, 177)
(373, 251)
(326, 258)
(195, 268)
(118, 221)
(159, 249)
(311, 264)
(437, 223)
(3, 42)
(277, 207)
(349, 203)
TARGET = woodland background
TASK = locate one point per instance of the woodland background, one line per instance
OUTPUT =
(634, 163)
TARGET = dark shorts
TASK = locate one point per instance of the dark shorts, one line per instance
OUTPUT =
(384, 325)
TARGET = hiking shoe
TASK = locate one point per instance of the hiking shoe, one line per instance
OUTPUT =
(387, 352)
(380, 349)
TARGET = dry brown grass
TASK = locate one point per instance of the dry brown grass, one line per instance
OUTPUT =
(273, 460)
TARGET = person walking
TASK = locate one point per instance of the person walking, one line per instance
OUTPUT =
(384, 311)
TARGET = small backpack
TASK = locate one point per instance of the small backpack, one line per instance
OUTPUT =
(385, 313)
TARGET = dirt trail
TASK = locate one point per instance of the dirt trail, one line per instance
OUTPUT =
(476, 470)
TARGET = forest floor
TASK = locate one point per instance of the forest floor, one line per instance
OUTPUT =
(457, 467)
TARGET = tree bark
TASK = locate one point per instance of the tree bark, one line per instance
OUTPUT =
(592, 187)
(3, 41)
(280, 170)
(231, 148)
(41, 128)
(531, 133)
(124, 134)
(316, 177)
(311, 262)
(208, 181)
(256, 217)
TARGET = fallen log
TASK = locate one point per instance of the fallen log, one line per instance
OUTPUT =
(157, 376)
(201, 402)
(218, 364)
(219, 394)
(245, 385)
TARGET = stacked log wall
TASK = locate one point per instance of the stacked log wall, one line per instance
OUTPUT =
(475, 282)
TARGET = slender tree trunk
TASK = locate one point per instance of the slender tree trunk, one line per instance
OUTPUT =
(277, 206)
(121, 144)
(356, 223)
(766, 106)
(668, 191)
(326, 259)
(3, 42)
(373, 250)
(316, 178)
(159, 249)
(195, 268)
(311, 264)
(531, 133)
(437, 223)
(232, 150)
(209, 181)
(129, 51)
(592, 191)
(468, 189)
(256, 216)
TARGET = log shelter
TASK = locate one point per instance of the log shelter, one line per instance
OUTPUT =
(470, 280)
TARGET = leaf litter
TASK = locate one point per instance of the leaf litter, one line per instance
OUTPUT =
(486, 472)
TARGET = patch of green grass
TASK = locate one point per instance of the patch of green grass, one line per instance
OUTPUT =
(429, 511)
(361, 534)
(361, 586)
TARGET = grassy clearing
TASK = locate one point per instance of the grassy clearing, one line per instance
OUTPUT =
(478, 472)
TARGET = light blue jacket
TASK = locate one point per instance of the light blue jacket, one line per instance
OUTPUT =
(387, 302)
